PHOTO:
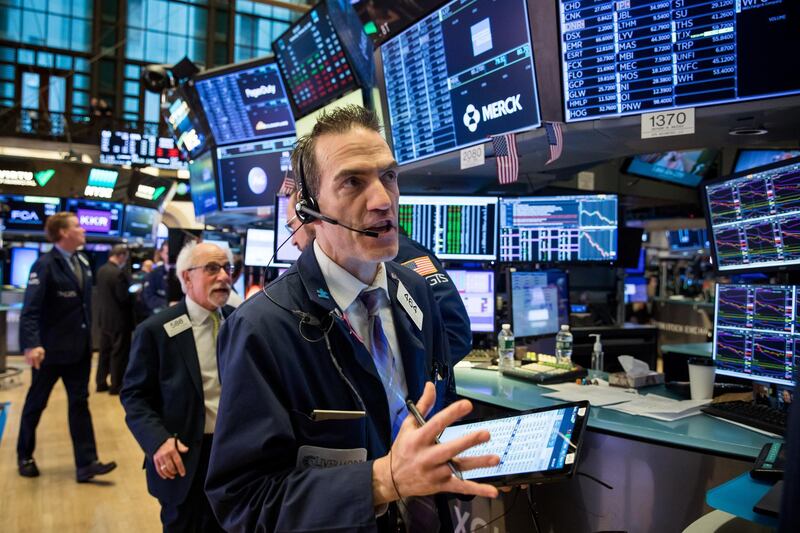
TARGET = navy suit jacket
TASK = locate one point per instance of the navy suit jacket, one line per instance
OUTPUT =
(57, 313)
(162, 393)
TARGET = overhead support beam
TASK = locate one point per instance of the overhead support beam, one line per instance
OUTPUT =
(299, 8)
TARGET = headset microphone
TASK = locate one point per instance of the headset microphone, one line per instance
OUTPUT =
(319, 216)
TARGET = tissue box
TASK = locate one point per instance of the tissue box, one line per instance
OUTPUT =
(621, 379)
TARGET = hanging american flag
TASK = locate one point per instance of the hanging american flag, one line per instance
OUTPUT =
(505, 153)
(555, 139)
(288, 185)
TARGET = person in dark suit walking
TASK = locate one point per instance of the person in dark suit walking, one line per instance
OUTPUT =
(171, 388)
(115, 318)
(55, 335)
(154, 293)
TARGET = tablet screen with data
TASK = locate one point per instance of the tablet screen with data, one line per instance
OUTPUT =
(532, 446)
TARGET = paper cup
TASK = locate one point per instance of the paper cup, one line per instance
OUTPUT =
(701, 378)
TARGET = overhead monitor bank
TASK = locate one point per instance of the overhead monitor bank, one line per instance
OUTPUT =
(625, 58)
(459, 75)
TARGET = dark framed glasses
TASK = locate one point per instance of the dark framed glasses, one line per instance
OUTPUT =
(212, 268)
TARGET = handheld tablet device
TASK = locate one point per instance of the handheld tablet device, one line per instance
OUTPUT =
(534, 446)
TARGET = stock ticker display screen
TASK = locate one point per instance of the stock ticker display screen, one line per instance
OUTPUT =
(134, 148)
(755, 218)
(246, 104)
(458, 76)
(313, 61)
(555, 229)
(626, 57)
(756, 333)
(453, 227)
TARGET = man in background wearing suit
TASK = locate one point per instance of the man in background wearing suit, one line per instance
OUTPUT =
(154, 294)
(115, 318)
(171, 388)
(55, 335)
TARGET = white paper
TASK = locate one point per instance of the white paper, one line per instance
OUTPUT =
(661, 408)
(598, 396)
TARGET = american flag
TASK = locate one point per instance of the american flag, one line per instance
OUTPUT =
(288, 185)
(555, 139)
(421, 265)
(505, 153)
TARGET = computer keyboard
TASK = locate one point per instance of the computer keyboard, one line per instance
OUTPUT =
(750, 414)
(538, 373)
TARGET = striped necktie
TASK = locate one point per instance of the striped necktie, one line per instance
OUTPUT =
(384, 359)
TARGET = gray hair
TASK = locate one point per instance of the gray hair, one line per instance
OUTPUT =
(186, 258)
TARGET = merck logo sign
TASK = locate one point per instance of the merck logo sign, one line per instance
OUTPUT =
(260, 91)
(94, 221)
(491, 111)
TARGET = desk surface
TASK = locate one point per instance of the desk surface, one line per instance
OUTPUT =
(695, 349)
(738, 496)
(700, 432)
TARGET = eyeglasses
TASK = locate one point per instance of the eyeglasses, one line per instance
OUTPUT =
(288, 224)
(213, 268)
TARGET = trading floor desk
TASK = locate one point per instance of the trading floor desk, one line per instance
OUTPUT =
(660, 471)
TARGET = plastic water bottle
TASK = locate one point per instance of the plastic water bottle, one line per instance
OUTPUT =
(505, 347)
(564, 346)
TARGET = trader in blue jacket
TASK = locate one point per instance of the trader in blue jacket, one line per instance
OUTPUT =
(171, 388)
(312, 432)
(154, 292)
(55, 335)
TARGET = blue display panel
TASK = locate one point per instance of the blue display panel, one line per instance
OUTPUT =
(539, 302)
(452, 227)
(22, 259)
(476, 288)
(183, 121)
(554, 229)
(688, 239)
(748, 159)
(28, 213)
(140, 224)
(245, 102)
(202, 185)
(459, 75)
(755, 218)
(313, 61)
(684, 167)
(628, 57)
(756, 333)
(635, 289)
(102, 219)
(251, 174)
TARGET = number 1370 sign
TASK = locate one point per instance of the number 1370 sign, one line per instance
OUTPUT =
(668, 123)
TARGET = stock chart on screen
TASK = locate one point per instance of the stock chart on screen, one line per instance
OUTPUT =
(453, 227)
(755, 218)
(756, 334)
(559, 228)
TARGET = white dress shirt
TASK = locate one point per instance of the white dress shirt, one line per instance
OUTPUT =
(203, 331)
(344, 289)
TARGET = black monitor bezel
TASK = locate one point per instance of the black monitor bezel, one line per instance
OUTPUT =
(509, 283)
(626, 165)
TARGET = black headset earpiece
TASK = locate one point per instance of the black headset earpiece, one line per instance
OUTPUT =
(304, 198)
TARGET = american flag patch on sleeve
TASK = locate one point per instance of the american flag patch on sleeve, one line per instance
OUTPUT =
(421, 265)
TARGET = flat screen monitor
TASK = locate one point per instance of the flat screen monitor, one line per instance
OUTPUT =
(226, 239)
(22, 259)
(306, 124)
(101, 182)
(383, 19)
(251, 174)
(288, 253)
(203, 184)
(134, 148)
(556, 229)
(688, 239)
(452, 227)
(754, 218)
(28, 214)
(683, 167)
(756, 334)
(183, 121)
(748, 159)
(259, 247)
(98, 218)
(140, 224)
(626, 58)
(313, 61)
(461, 74)
(539, 302)
(635, 289)
(476, 288)
(245, 102)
